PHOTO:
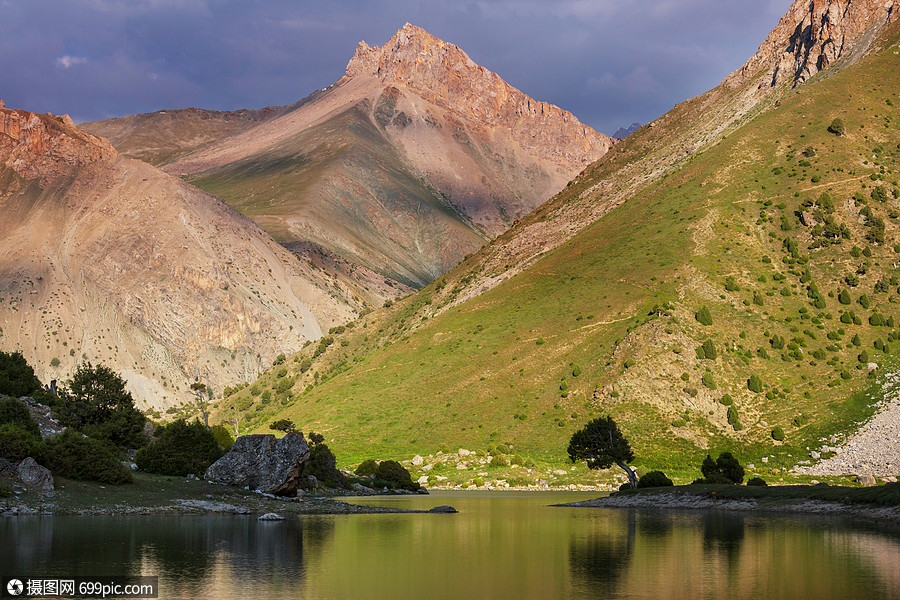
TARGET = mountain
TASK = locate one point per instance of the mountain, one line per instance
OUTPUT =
(161, 136)
(623, 132)
(110, 260)
(728, 269)
(412, 160)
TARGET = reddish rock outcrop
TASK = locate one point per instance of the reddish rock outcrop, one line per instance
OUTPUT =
(43, 146)
(445, 75)
(811, 36)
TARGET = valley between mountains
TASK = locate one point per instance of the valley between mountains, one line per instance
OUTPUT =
(420, 258)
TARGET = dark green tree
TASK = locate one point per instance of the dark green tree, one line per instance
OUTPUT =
(180, 448)
(96, 403)
(16, 375)
(322, 463)
(602, 444)
(285, 425)
(725, 469)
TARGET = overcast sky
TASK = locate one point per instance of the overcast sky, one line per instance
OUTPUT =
(610, 62)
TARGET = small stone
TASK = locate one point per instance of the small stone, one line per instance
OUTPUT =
(464, 452)
(814, 455)
(427, 467)
(560, 472)
(417, 460)
(270, 517)
(422, 480)
(866, 479)
(443, 509)
(462, 466)
(765, 459)
(871, 366)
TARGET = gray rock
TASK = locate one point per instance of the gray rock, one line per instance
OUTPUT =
(417, 460)
(443, 509)
(264, 463)
(358, 487)
(865, 479)
(270, 517)
(422, 491)
(211, 506)
(34, 474)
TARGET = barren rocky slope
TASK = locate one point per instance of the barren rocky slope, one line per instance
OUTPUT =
(110, 260)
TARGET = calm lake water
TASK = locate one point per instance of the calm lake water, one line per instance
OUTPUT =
(509, 545)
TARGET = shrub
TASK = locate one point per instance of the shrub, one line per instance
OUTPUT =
(725, 469)
(654, 479)
(180, 448)
(836, 127)
(703, 316)
(394, 473)
(502, 449)
(707, 351)
(17, 443)
(72, 455)
(16, 375)
(844, 297)
(757, 482)
(726, 400)
(778, 434)
(96, 403)
(499, 461)
(629, 363)
(14, 412)
(754, 384)
(323, 465)
(733, 418)
(366, 468)
(285, 425)
(478, 482)
(709, 381)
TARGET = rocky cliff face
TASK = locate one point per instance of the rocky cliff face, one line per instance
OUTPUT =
(811, 36)
(43, 146)
(446, 76)
(108, 259)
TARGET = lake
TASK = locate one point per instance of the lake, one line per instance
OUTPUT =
(500, 545)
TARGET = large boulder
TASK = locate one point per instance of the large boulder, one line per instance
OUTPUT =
(34, 475)
(263, 462)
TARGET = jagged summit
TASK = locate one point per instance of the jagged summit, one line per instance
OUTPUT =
(811, 36)
(445, 75)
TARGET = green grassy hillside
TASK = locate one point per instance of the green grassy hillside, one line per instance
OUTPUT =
(776, 248)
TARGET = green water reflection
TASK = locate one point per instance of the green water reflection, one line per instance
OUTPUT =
(498, 546)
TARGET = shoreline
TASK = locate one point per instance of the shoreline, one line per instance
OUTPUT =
(799, 504)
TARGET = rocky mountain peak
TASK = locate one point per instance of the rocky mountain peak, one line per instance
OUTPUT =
(812, 35)
(444, 75)
(43, 146)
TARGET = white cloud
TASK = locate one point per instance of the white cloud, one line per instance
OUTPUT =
(67, 62)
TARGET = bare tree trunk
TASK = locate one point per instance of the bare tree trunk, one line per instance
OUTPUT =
(632, 476)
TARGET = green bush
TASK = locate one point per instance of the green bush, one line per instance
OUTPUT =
(16, 375)
(703, 316)
(499, 461)
(17, 443)
(844, 297)
(708, 381)
(654, 479)
(478, 482)
(322, 464)
(754, 383)
(96, 403)
(180, 448)
(778, 434)
(726, 400)
(836, 127)
(366, 468)
(757, 482)
(74, 456)
(14, 412)
(707, 351)
(725, 469)
(393, 472)
(733, 418)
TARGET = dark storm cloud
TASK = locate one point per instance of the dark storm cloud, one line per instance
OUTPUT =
(610, 62)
